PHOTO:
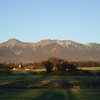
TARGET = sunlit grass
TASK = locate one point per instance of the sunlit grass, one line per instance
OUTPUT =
(91, 68)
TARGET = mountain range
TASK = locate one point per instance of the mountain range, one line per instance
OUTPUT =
(15, 50)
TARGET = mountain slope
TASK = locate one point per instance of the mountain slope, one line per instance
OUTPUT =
(16, 51)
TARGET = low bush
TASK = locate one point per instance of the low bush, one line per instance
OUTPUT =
(65, 73)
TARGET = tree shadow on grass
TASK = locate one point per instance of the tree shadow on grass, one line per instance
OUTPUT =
(50, 96)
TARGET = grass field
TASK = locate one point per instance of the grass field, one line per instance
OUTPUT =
(91, 68)
(48, 94)
(13, 77)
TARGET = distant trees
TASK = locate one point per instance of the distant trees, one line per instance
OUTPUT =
(86, 64)
(71, 67)
(48, 65)
(61, 65)
(58, 64)
(51, 64)
(4, 68)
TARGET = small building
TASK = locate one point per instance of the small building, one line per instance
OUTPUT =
(20, 66)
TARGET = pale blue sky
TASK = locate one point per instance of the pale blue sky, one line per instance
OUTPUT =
(35, 20)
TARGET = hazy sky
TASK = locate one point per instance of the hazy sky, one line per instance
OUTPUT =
(35, 20)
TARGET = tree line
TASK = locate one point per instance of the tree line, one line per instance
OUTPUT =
(54, 61)
(53, 66)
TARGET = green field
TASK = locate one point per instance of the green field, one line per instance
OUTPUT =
(13, 77)
(48, 94)
(91, 68)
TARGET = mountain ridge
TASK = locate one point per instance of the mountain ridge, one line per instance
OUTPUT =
(15, 50)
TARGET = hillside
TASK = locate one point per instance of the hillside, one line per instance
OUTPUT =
(17, 51)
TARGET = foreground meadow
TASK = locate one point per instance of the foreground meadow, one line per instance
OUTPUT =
(50, 94)
(45, 87)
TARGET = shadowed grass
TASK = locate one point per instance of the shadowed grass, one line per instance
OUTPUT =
(47, 77)
(50, 94)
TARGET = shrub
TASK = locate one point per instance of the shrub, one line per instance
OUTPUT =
(71, 67)
(48, 65)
